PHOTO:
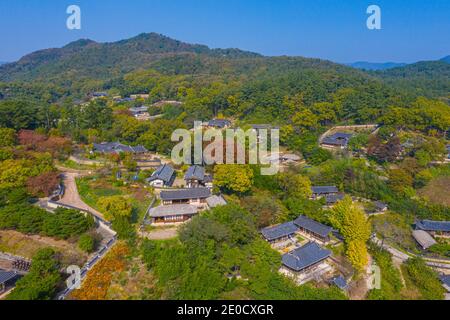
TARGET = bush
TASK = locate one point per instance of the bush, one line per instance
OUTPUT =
(62, 224)
(424, 279)
(42, 280)
(86, 243)
(391, 283)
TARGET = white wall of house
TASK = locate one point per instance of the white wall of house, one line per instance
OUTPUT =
(157, 184)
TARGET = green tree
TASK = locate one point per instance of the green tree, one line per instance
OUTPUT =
(352, 223)
(233, 178)
(115, 207)
(42, 280)
(7, 137)
(86, 242)
(295, 185)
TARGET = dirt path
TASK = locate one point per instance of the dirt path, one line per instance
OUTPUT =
(71, 195)
(162, 234)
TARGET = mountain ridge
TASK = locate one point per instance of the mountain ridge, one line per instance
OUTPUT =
(88, 58)
(375, 66)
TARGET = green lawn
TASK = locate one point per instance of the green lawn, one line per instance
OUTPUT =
(91, 189)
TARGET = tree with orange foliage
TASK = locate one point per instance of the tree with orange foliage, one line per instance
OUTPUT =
(99, 278)
(44, 184)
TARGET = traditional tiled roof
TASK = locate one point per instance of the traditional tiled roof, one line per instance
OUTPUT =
(429, 225)
(446, 280)
(208, 178)
(279, 231)
(173, 210)
(6, 276)
(195, 173)
(380, 205)
(334, 197)
(340, 282)
(304, 257)
(165, 173)
(320, 190)
(138, 110)
(219, 123)
(99, 94)
(215, 201)
(290, 157)
(337, 139)
(185, 194)
(117, 147)
(423, 238)
(313, 226)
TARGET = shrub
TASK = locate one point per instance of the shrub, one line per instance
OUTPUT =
(86, 242)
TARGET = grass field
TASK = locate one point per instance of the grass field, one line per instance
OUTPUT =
(16, 243)
(92, 189)
(437, 191)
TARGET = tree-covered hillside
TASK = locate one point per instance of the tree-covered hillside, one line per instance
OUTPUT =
(87, 58)
(426, 78)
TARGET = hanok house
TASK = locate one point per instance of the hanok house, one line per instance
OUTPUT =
(7, 280)
(323, 191)
(313, 228)
(96, 95)
(117, 147)
(163, 177)
(305, 258)
(195, 177)
(219, 123)
(140, 113)
(194, 196)
(279, 233)
(424, 239)
(435, 228)
(334, 198)
(172, 213)
(289, 158)
(337, 140)
(380, 206)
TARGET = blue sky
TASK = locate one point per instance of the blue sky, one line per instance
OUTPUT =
(412, 30)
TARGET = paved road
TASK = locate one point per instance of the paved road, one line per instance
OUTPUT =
(395, 253)
(71, 195)
(402, 257)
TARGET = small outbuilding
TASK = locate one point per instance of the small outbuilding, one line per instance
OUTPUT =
(164, 176)
(323, 191)
(215, 201)
(424, 239)
(340, 282)
(7, 278)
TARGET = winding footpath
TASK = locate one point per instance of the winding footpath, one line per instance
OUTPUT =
(403, 257)
(71, 195)
(72, 198)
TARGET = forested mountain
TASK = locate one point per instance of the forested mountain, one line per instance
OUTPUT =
(427, 78)
(238, 84)
(87, 58)
(446, 59)
(364, 65)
